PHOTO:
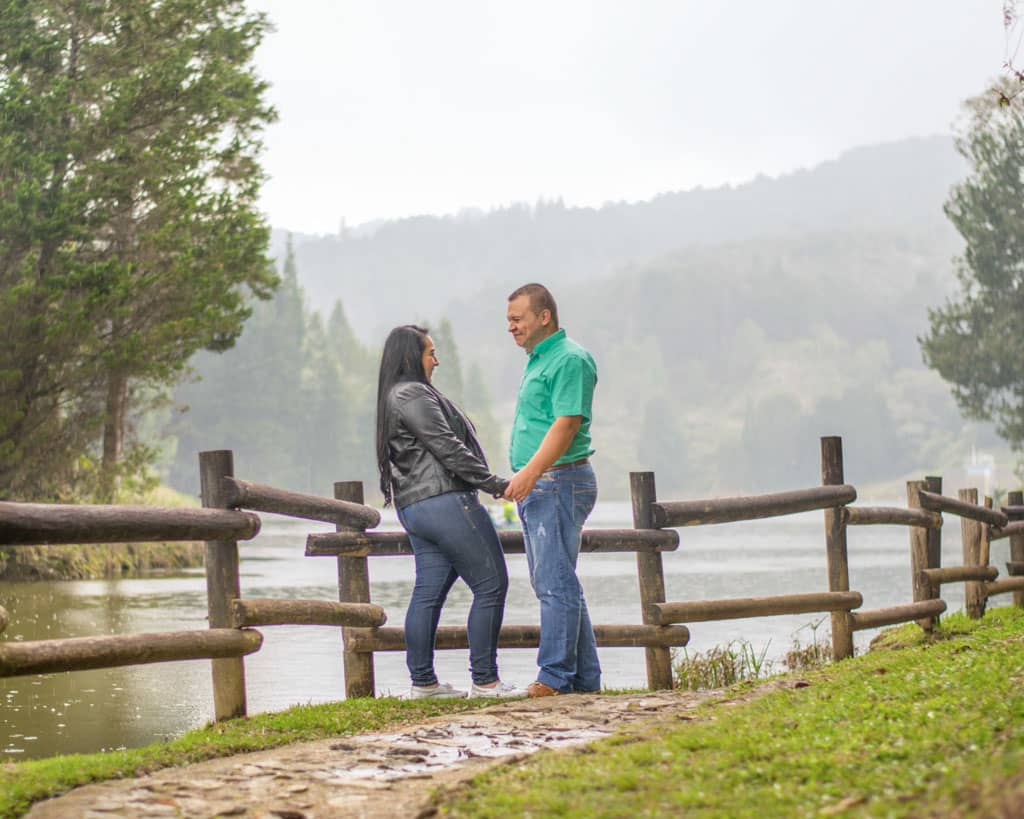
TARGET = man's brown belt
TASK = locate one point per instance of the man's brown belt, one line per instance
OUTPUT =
(580, 462)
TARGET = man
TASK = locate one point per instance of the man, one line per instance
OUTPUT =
(554, 486)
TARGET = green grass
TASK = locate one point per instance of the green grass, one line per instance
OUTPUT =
(22, 783)
(919, 726)
(930, 727)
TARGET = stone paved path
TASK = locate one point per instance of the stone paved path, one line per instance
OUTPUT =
(369, 775)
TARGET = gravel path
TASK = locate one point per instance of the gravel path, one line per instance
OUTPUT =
(370, 775)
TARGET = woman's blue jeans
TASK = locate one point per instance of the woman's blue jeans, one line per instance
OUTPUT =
(453, 536)
(553, 515)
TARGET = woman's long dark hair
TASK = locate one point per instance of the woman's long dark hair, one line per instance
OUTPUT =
(402, 360)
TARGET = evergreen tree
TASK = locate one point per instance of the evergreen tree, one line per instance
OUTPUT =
(129, 198)
(479, 408)
(974, 341)
(662, 447)
(448, 376)
(250, 397)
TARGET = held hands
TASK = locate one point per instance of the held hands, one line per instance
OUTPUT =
(521, 485)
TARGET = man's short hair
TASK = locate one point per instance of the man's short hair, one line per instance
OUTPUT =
(540, 299)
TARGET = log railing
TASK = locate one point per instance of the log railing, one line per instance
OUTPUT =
(221, 523)
(231, 635)
(352, 548)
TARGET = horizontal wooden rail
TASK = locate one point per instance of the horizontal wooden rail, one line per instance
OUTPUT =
(24, 524)
(871, 515)
(1007, 584)
(4, 618)
(876, 618)
(393, 638)
(266, 611)
(263, 498)
(80, 653)
(959, 574)
(384, 544)
(737, 608)
(1015, 568)
(1013, 511)
(942, 503)
(1015, 527)
(728, 510)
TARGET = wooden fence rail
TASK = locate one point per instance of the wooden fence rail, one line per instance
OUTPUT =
(28, 524)
(81, 653)
(964, 508)
(894, 515)
(262, 498)
(741, 607)
(729, 510)
(394, 544)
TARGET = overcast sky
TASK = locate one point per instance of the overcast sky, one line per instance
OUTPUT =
(390, 108)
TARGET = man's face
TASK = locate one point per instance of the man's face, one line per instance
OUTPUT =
(528, 329)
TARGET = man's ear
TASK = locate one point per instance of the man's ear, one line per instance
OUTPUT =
(545, 317)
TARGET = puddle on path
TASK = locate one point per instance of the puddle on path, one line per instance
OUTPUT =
(425, 751)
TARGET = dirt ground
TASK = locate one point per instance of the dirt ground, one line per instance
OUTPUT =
(373, 775)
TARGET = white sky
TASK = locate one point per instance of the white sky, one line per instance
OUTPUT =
(390, 108)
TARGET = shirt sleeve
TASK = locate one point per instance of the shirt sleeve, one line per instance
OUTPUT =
(572, 387)
(424, 418)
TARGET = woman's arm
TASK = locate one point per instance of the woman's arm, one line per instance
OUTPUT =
(424, 418)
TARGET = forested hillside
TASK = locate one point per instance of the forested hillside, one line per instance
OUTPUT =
(731, 329)
(423, 264)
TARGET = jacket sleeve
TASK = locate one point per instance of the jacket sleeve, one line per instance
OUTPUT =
(424, 418)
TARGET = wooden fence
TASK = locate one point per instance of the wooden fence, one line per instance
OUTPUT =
(232, 618)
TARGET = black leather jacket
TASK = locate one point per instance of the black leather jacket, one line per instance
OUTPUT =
(433, 447)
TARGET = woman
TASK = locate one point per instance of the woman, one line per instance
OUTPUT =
(431, 465)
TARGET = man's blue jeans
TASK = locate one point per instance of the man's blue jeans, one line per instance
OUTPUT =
(453, 536)
(553, 515)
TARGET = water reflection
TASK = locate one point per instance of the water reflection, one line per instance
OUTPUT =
(126, 707)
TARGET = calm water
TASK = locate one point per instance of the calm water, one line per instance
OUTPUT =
(125, 707)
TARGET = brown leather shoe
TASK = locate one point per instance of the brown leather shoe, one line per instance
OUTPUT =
(539, 689)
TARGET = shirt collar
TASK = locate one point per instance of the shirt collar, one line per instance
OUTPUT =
(547, 343)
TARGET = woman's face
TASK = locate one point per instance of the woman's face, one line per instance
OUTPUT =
(429, 358)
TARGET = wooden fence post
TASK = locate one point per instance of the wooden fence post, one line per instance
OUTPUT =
(651, 575)
(919, 555)
(354, 587)
(972, 534)
(933, 483)
(1017, 544)
(222, 586)
(835, 547)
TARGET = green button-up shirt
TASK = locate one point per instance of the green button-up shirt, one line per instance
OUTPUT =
(559, 380)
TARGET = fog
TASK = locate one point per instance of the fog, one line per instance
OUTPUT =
(739, 207)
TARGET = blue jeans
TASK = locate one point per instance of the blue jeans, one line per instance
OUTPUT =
(553, 515)
(453, 536)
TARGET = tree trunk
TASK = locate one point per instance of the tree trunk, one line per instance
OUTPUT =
(114, 423)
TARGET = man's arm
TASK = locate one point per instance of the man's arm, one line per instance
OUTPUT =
(556, 442)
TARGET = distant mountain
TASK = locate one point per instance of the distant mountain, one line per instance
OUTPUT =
(421, 267)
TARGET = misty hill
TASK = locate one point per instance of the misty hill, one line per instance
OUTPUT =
(731, 329)
(412, 268)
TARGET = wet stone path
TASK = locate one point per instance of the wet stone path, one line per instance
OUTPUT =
(369, 775)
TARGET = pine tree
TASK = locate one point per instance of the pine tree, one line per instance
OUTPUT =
(130, 132)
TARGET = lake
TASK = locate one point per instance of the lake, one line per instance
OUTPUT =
(87, 711)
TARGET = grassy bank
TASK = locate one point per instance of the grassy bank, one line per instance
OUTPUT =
(921, 728)
(22, 783)
(917, 727)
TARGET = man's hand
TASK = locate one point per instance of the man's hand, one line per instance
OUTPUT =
(521, 485)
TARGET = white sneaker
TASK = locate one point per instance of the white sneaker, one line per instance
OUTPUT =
(500, 690)
(436, 691)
